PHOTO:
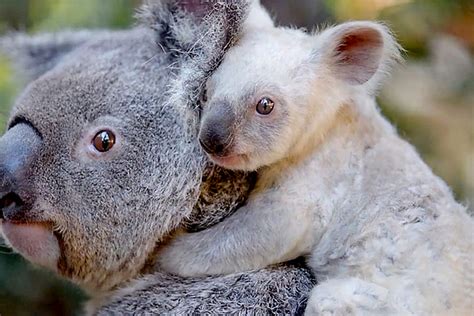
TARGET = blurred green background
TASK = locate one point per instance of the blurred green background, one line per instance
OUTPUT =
(430, 98)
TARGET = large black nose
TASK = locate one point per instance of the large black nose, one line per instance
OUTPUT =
(13, 207)
(18, 148)
(216, 131)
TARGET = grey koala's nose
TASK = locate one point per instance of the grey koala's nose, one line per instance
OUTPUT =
(12, 207)
(215, 135)
(11, 203)
(18, 148)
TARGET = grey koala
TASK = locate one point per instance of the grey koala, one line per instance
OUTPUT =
(97, 168)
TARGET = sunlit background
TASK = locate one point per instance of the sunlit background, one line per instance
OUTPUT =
(430, 99)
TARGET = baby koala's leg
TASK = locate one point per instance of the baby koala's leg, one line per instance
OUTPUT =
(348, 296)
(261, 233)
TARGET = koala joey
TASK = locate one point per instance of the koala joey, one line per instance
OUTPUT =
(336, 183)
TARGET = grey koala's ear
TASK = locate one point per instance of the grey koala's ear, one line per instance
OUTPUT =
(196, 35)
(198, 8)
(33, 55)
(360, 53)
(182, 25)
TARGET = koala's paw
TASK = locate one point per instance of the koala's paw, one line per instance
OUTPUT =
(349, 296)
(182, 256)
(174, 256)
(328, 306)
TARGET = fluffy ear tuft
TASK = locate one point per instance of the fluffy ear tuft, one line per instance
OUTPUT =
(198, 8)
(180, 25)
(196, 34)
(359, 53)
(33, 55)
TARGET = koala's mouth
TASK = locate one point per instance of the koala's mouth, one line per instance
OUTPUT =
(30, 235)
(230, 161)
(34, 241)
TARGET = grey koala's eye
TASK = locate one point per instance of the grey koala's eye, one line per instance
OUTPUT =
(104, 141)
(265, 106)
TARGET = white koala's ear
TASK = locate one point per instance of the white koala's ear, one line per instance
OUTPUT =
(258, 16)
(33, 55)
(359, 53)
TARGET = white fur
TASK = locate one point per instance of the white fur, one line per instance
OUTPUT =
(382, 233)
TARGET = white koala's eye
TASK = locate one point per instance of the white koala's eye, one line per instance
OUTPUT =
(265, 106)
(104, 141)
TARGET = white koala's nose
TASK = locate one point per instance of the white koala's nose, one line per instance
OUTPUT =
(216, 131)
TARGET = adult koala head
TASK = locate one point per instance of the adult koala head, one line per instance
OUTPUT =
(90, 181)
(96, 168)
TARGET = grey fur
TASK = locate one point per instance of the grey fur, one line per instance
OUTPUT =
(36, 55)
(111, 213)
(274, 291)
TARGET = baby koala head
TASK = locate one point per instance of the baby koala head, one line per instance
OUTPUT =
(278, 90)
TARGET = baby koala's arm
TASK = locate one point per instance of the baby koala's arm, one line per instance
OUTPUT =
(265, 231)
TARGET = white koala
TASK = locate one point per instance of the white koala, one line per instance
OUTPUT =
(336, 183)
